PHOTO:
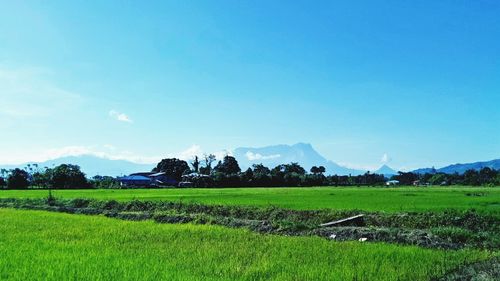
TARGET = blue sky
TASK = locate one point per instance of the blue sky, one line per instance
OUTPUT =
(416, 81)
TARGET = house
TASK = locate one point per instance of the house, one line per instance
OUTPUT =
(147, 179)
(162, 179)
(392, 182)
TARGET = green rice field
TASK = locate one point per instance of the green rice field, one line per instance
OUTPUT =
(482, 199)
(38, 245)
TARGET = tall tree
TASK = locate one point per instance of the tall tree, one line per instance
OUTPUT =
(318, 170)
(196, 164)
(294, 167)
(321, 170)
(262, 175)
(259, 169)
(471, 177)
(228, 166)
(208, 160)
(487, 175)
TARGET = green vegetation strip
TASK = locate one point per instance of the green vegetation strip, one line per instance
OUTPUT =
(401, 199)
(37, 245)
(447, 230)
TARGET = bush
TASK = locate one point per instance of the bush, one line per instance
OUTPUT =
(79, 203)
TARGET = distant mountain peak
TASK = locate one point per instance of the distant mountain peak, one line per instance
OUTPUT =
(302, 153)
(303, 145)
(385, 170)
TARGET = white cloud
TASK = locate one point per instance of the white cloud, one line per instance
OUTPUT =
(196, 150)
(219, 155)
(110, 146)
(385, 158)
(119, 116)
(30, 92)
(189, 153)
(256, 156)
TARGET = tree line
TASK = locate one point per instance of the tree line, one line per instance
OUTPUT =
(65, 176)
(227, 173)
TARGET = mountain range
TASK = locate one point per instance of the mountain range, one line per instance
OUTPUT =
(270, 156)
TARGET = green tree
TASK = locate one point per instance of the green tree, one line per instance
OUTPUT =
(318, 170)
(172, 167)
(294, 168)
(208, 160)
(438, 179)
(471, 177)
(67, 176)
(248, 176)
(261, 175)
(259, 169)
(497, 178)
(487, 175)
(105, 182)
(18, 179)
(41, 177)
(228, 166)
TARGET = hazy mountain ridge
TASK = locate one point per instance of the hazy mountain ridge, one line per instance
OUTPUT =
(461, 168)
(92, 165)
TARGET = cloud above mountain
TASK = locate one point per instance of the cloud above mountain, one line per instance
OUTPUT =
(257, 156)
(385, 158)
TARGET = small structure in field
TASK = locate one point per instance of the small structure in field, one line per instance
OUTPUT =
(357, 220)
(392, 182)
